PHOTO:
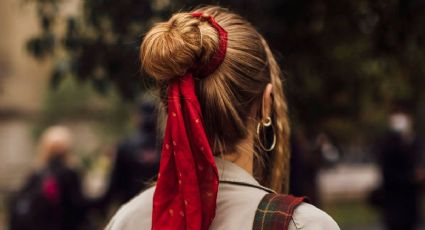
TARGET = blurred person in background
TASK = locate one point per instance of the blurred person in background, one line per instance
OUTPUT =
(305, 163)
(136, 160)
(52, 197)
(308, 156)
(398, 156)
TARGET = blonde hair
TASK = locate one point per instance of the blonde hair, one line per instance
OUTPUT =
(230, 94)
(55, 141)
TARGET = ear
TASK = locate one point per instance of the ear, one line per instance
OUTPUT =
(267, 102)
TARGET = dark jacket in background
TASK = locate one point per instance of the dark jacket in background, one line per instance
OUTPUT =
(398, 159)
(136, 163)
(64, 210)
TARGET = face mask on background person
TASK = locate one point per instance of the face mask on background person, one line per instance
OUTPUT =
(400, 123)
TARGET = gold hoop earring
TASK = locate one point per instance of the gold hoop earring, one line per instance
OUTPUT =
(266, 123)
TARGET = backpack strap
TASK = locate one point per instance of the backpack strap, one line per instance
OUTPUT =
(275, 211)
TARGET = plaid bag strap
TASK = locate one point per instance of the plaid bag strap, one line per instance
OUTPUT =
(275, 211)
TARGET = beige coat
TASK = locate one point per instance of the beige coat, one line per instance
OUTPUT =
(236, 206)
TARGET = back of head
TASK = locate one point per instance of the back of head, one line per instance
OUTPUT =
(55, 142)
(233, 92)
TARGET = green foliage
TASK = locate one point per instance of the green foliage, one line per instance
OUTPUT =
(353, 214)
(75, 101)
(98, 47)
(357, 214)
(347, 63)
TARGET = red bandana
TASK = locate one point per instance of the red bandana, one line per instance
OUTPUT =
(186, 191)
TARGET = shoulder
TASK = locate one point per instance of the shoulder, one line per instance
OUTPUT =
(307, 216)
(137, 212)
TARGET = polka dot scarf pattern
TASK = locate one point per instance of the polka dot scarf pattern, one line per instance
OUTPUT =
(186, 191)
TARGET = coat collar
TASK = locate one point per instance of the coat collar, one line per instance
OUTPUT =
(229, 172)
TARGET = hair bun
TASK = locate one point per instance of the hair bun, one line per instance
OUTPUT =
(170, 48)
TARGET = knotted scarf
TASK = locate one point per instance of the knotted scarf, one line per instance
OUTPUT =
(187, 186)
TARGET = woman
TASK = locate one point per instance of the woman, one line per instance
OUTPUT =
(226, 118)
(52, 197)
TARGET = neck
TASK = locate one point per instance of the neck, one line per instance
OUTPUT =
(244, 155)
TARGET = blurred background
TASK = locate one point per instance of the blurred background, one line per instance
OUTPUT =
(354, 79)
